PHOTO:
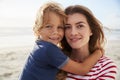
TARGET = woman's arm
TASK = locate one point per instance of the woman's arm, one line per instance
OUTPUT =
(82, 68)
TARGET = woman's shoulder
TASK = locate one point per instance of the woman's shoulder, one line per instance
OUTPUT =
(105, 58)
(106, 62)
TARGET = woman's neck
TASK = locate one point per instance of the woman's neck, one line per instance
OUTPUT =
(80, 55)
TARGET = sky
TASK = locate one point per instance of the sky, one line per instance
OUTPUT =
(21, 13)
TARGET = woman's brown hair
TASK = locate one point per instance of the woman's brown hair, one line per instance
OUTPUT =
(97, 39)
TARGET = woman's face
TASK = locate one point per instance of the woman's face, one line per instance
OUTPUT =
(53, 31)
(77, 31)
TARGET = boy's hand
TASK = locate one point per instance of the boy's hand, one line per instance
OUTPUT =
(101, 51)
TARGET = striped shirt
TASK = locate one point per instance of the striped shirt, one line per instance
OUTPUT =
(105, 69)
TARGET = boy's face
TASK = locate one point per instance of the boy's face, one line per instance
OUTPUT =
(53, 31)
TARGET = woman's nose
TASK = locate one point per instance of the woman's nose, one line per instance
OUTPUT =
(73, 31)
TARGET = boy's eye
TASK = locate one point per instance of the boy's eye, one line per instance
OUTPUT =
(60, 27)
(48, 26)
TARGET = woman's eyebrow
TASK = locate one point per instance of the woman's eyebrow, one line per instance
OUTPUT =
(76, 23)
(80, 22)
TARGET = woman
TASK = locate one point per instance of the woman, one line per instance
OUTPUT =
(83, 33)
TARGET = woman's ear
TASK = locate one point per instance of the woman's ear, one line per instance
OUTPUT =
(91, 34)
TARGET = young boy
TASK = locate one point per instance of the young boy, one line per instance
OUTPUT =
(47, 58)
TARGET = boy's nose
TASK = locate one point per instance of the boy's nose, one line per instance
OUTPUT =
(55, 31)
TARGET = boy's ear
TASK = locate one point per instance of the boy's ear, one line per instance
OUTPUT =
(39, 31)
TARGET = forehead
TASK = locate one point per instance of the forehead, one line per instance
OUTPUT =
(52, 16)
(76, 17)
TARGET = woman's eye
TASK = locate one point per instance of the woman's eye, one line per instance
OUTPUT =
(80, 26)
(67, 27)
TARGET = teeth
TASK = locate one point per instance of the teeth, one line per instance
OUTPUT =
(75, 39)
(54, 38)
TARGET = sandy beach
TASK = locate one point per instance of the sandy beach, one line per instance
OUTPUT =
(12, 59)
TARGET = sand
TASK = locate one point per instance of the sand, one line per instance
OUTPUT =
(12, 59)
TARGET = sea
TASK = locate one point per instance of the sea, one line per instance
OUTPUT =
(11, 37)
(24, 36)
(112, 34)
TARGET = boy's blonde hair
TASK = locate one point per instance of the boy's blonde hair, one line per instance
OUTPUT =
(43, 15)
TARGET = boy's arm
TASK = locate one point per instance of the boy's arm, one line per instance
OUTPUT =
(82, 68)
